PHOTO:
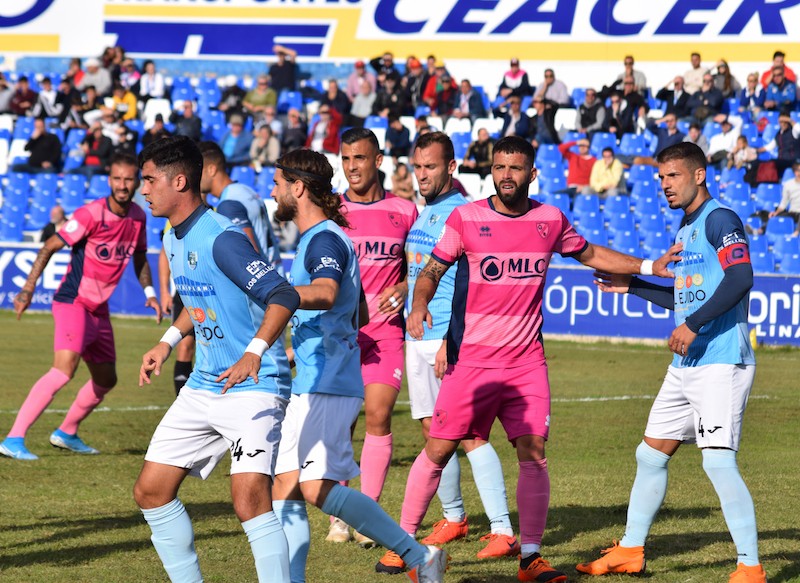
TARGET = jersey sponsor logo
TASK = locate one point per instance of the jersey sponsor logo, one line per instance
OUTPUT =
(106, 252)
(71, 226)
(733, 239)
(493, 268)
(188, 287)
(485, 231)
(191, 259)
(257, 269)
(306, 464)
(237, 451)
(543, 229)
(379, 250)
(688, 259)
(327, 263)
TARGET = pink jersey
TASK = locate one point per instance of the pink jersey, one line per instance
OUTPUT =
(379, 230)
(102, 244)
(503, 260)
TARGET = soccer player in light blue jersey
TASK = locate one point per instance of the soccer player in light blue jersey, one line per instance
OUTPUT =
(235, 398)
(327, 393)
(705, 392)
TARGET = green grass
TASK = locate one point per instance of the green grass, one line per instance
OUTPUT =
(71, 518)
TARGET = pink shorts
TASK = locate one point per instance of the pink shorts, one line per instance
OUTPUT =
(79, 330)
(382, 361)
(471, 398)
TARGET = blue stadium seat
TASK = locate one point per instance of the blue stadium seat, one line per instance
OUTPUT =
(265, 181)
(289, 100)
(73, 162)
(644, 188)
(656, 239)
(23, 128)
(553, 183)
(674, 218)
(763, 262)
(376, 121)
(547, 153)
(586, 203)
(633, 145)
(558, 200)
(98, 187)
(245, 175)
(45, 182)
(743, 208)
(786, 246)
(621, 222)
(616, 204)
(11, 229)
(602, 140)
(758, 244)
(737, 192)
(642, 172)
(20, 181)
(461, 141)
(768, 196)
(38, 217)
(626, 242)
(74, 139)
(652, 222)
(711, 129)
(778, 227)
(595, 236)
(646, 205)
(590, 222)
(790, 264)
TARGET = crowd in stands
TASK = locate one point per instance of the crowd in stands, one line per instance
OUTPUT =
(598, 142)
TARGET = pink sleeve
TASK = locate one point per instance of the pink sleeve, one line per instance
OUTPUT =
(570, 241)
(78, 227)
(451, 246)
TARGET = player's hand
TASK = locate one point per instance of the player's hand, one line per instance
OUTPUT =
(152, 361)
(166, 304)
(392, 299)
(661, 265)
(612, 283)
(416, 320)
(681, 339)
(21, 302)
(248, 366)
(153, 303)
(440, 362)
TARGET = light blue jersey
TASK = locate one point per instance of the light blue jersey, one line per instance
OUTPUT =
(326, 353)
(425, 233)
(220, 278)
(725, 339)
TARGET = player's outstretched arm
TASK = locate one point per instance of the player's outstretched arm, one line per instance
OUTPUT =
(424, 290)
(607, 260)
(23, 299)
(142, 269)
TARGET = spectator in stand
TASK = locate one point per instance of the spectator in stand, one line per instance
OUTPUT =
(294, 132)
(74, 117)
(625, 110)
(390, 99)
(336, 99)
(117, 62)
(187, 123)
(787, 141)
(606, 178)
(265, 149)
(151, 83)
(579, 166)
(271, 118)
(97, 149)
(284, 73)
(129, 76)
(440, 92)
(591, 114)
(414, 83)
(324, 134)
(57, 220)
(722, 144)
(696, 137)
(742, 154)
(64, 98)
(51, 102)
(515, 82)
(543, 128)
(361, 108)
(383, 66)
(666, 136)
(639, 79)
(6, 93)
(124, 103)
(478, 158)
(778, 60)
(230, 102)
(515, 121)
(398, 138)
(96, 76)
(74, 72)
(110, 123)
(126, 141)
(357, 78)
(790, 198)
(156, 131)
(676, 98)
(24, 97)
(45, 151)
(403, 183)
(706, 103)
(469, 103)
(260, 97)
(781, 93)
(235, 143)
(693, 78)
(725, 81)
(551, 89)
(751, 98)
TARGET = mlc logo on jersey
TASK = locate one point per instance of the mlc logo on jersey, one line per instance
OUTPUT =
(493, 268)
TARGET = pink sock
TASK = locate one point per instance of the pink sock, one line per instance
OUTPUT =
(423, 480)
(40, 396)
(89, 397)
(376, 456)
(533, 498)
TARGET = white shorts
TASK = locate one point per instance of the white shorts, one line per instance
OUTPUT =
(703, 404)
(316, 437)
(423, 386)
(201, 426)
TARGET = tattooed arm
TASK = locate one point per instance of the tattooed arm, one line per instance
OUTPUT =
(23, 298)
(424, 290)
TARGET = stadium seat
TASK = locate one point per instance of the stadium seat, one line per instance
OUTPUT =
(98, 187)
(778, 227)
(737, 192)
(152, 108)
(45, 182)
(743, 208)
(729, 175)
(492, 125)
(265, 181)
(554, 183)
(586, 203)
(763, 262)
(461, 142)
(644, 188)
(768, 197)
(711, 129)
(20, 181)
(656, 239)
(621, 222)
(38, 216)
(11, 229)
(558, 200)
(245, 175)
(23, 128)
(633, 145)
(597, 236)
(626, 242)
(790, 264)
(758, 244)
(289, 100)
(642, 172)
(652, 222)
(590, 222)
(488, 189)
(376, 121)
(602, 140)
(786, 246)
(646, 205)
(454, 124)
(616, 204)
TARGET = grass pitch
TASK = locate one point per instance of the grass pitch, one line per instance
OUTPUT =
(72, 518)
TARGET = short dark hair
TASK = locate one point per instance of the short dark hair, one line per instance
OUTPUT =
(778, 54)
(696, 55)
(608, 149)
(515, 145)
(176, 155)
(354, 135)
(694, 126)
(212, 154)
(123, 158)
(686, 151)
(315, 172)
(427, 140)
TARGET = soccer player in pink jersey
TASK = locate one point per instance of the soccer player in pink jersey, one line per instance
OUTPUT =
(496, 362)
(379, 224)
(104, 235)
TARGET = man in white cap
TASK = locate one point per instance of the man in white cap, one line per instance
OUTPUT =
(96, 76)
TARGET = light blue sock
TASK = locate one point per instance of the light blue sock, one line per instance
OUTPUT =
(449, 491)
(737, 504)
(294, 520)
(173, 539)
(368, 518)
(488, 474)
(269, 546)
(647, 494)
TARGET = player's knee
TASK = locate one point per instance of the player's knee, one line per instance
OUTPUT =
(143, 496)
(439, 451)
(378, 422)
